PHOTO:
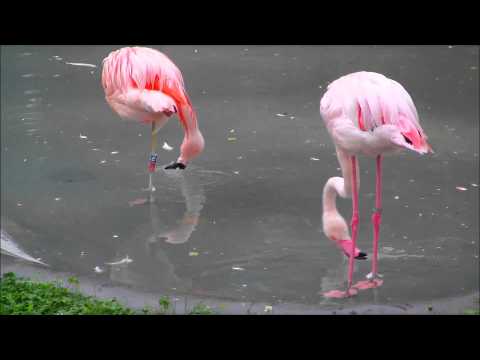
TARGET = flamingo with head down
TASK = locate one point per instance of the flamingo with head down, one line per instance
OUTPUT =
(142, 84)
(365, 114)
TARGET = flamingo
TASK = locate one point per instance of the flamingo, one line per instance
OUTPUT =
(143, 84)
(368, 114)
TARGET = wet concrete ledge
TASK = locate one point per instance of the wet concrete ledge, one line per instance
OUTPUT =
(183, 304)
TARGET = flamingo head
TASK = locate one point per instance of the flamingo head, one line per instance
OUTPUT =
(411, 139)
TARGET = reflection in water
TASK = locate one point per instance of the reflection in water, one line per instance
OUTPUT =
(161, 269)
(194, 199)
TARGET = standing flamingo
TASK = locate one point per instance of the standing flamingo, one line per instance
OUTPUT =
(142, 84)
(365, 113)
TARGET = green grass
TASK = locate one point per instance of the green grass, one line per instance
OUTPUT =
(21, 296)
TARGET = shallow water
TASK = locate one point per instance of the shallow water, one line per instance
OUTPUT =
(243, 222)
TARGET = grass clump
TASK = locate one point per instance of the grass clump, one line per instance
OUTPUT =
(201, 309)
(19, 296)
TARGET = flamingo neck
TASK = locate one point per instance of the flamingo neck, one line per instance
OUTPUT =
(333, 187)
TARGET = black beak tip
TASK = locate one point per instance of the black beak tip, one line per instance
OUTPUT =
(175, 165)
(361, 256)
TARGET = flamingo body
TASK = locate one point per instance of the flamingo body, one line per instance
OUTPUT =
(144, 85)
(368, 114)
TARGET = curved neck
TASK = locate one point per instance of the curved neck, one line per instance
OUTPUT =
(333, 187)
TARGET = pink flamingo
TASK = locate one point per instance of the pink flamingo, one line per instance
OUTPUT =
(365, 113)
(142, 84)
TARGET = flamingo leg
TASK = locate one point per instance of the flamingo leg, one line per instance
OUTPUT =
(373, 280)
(377, 215)
(353, 224)
(153, 159)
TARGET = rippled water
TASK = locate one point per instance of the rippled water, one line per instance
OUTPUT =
(243, 222)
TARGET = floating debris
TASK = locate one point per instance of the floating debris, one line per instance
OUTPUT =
(461, 188)
(232, 131)
(282, 114)
(268, 308)
(83, 137)
(83, 253)
(474, 185)
(114, 152)
(125, 260)
(167, 147)
(81, 64)
(241, 157)
(103, 162)
(396, 197)
(236, 172)
(136, 202)
(115, 236)
(232, 139)
(98, 269)
(314, 159)
(193, 253)
(195, 51)
(19, 204)
(237, 268)
(58, 198)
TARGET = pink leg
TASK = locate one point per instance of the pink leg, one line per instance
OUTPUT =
(354, 222)
(376, 220)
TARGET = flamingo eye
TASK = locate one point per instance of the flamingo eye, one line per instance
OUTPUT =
(407, 140)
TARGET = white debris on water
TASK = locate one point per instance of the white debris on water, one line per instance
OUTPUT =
(314, 159)
(396, 197)
(236, 172)
(81, 64)
(268, 308)
(125, 260)
(114, 152)
(237, 268)
(98, 269)
(58, 198)
(83, 136)
(461, 188)
(281, 114)
(9, 247)
(474, 185)
(115, 236)
(167, 147)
